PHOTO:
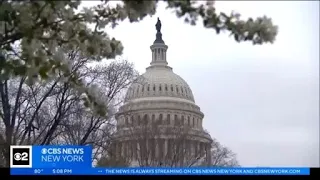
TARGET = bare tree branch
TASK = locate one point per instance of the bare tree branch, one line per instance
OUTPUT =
(149, 142)
(52, 112)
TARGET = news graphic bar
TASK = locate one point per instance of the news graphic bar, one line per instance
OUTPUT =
(51, 157)
(160, 171)
(76, 160)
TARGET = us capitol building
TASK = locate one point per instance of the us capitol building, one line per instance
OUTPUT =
(159, 123)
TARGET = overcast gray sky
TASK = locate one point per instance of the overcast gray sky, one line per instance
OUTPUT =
(260, 101)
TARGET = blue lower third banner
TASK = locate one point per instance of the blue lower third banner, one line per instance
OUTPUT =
(51, 157)
(76, 160)
(160, 171)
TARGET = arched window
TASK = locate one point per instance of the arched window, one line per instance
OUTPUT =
(139, 120)
(189, 121)
(162, 54)
(153, 118)
(145, 119)
(182, 120)
(168, 119)
(166, 87)
(154, 87)
(194, 122)
(148, 87)
(176, 120)
(134, 120)
(160, 87)
(160, 119)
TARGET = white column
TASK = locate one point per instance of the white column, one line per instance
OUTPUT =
(162, 54)
(208, 153)
(198, 123)
(129, 155)
(185, 120)
(165, 147)
(134, 153)
(122, 149)
(192, 122)
(148, 149)
(193, 148)
(127, 149)
(157, 141)
(138, 151)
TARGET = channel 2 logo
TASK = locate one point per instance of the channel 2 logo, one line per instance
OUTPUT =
(21, 156)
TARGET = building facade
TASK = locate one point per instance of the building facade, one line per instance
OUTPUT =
(159, 123)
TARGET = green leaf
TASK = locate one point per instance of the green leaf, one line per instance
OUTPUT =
(43, 71)
(20, 70)
(90, 49)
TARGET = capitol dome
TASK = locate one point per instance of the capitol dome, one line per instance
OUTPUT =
(159, 81)
(159, 113)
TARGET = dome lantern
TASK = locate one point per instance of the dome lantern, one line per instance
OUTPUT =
(159, 48)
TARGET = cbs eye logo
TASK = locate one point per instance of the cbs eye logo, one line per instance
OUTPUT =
(21, 156)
